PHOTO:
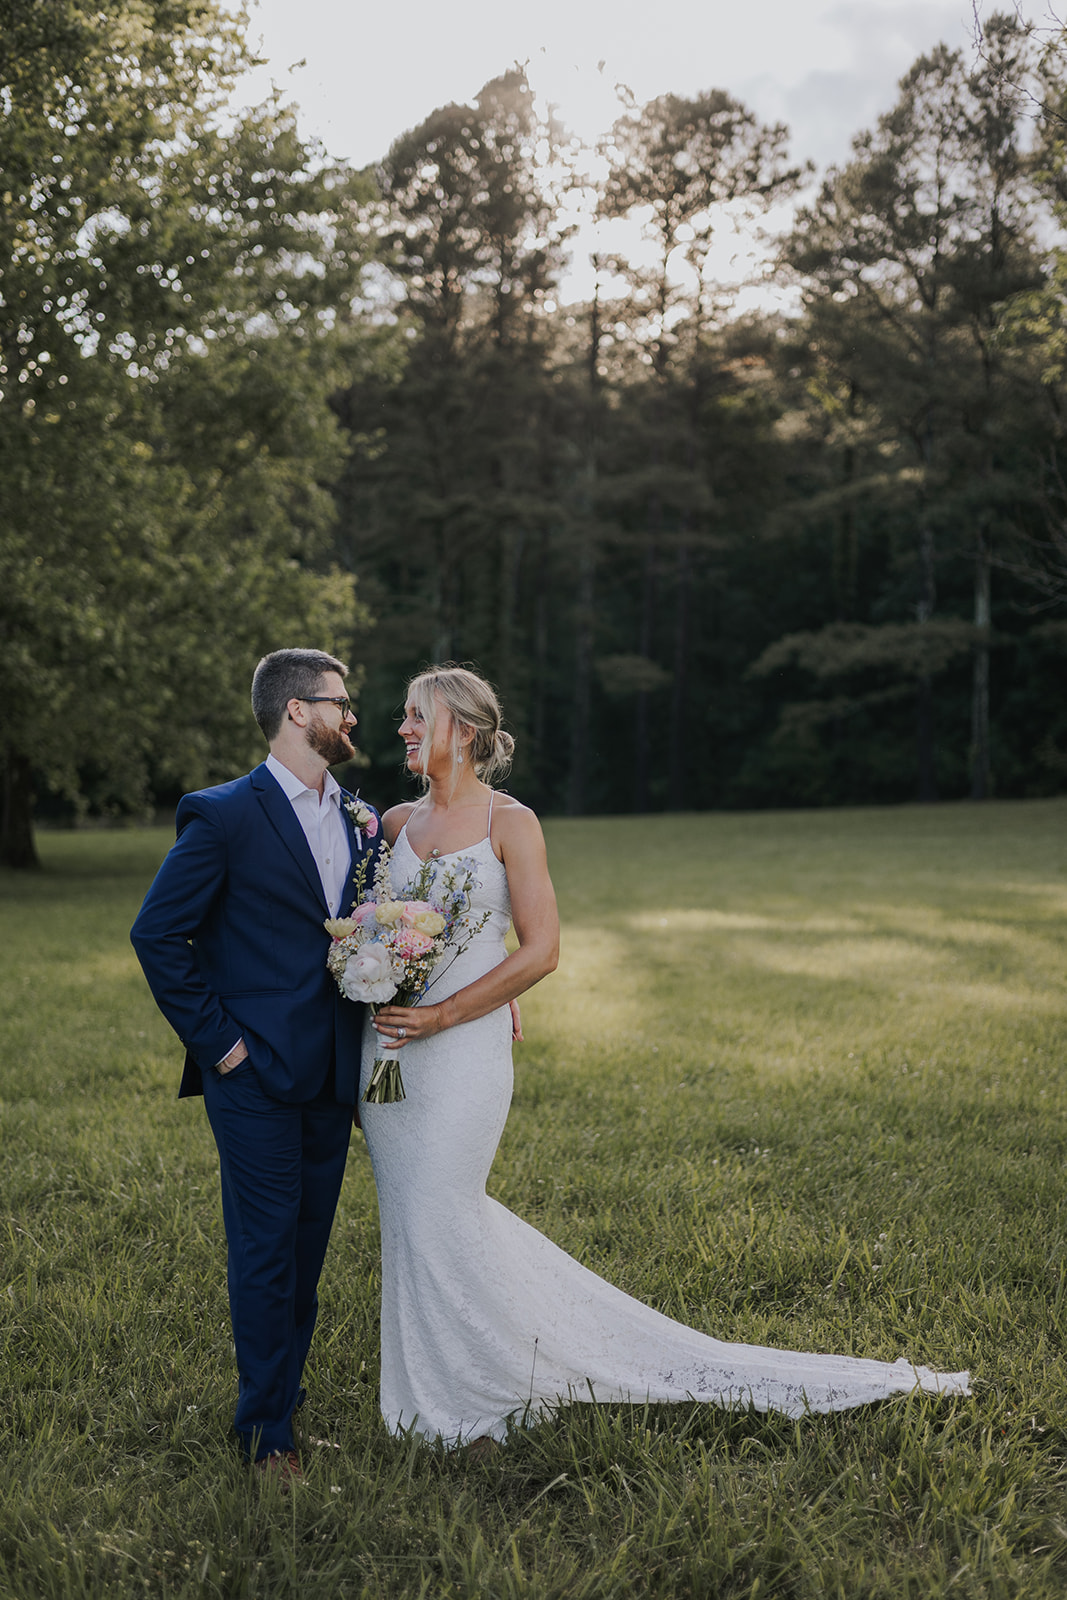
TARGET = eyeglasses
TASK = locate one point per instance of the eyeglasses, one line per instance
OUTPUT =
(341, 701)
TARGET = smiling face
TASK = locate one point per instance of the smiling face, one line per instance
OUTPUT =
(421, 731)
(328, 729)
(428, 732)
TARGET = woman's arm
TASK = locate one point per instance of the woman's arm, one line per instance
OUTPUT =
(536, 920)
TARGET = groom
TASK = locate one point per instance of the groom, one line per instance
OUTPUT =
(232, 943)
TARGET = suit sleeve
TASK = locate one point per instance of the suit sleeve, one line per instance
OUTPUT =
(177, 906)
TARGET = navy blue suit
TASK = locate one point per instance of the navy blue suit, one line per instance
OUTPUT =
(231, 940)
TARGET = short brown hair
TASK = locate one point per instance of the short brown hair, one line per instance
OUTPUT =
(287, 675)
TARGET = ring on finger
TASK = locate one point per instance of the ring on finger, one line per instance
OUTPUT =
(401, 1033)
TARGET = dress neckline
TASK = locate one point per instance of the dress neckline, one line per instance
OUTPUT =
(446, 855)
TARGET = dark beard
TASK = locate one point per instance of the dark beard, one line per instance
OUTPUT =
(329, 743)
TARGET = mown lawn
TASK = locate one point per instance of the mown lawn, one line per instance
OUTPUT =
(799, 1080)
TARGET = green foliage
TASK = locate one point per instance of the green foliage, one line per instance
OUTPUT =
(910, 256)
(678, 164)
(796, 1084)
(175, 305)
(711, 560)
(466, 211)
(509, 506)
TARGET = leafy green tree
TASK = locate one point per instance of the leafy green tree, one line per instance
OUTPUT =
(1036, 324)
(713, 560)
(677, 164)
(448, 500)
(175, 297)
(910, 256)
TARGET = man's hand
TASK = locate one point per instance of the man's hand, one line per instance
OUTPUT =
(234, 1059)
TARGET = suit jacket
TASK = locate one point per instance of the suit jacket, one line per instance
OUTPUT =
(231, 940)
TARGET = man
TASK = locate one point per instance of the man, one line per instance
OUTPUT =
(232, 943)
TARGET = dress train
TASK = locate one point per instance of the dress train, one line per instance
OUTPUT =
(484, 1320)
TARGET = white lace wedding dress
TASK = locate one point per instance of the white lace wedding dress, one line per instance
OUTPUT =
(483, 1318)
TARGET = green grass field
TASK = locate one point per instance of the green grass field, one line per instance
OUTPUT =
(799, 1081)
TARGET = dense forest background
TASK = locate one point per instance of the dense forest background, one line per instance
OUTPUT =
(251, 397)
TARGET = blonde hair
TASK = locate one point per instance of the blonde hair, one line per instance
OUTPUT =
(471, 703)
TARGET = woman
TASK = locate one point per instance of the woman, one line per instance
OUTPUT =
(483, 1318)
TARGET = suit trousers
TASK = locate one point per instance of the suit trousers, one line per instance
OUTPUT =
(281, 1166)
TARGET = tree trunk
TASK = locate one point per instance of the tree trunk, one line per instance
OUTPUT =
(641, 709)
(924, 707)
(583, 672)
(676, 754)
(512, 542)
(980, 772)
(676, 748)
(926, 789)
(444, 637)
(541, 763)
(17, 847)
(845, 554)
(584, 615)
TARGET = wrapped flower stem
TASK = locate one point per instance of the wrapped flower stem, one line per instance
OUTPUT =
(385, 1085)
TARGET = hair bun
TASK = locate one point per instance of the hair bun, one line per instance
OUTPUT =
(499, 748)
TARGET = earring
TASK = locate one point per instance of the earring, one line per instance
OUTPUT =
(459, 758)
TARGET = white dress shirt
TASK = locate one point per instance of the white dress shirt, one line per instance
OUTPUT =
(325, 831)
(324, 828)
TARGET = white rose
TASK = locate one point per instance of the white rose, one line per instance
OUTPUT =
(368, 975)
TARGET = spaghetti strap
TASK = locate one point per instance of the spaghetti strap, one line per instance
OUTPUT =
(404, 824)
(489, 828)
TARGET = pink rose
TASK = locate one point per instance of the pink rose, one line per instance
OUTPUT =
(409, 943)
(412, 909)
(362, 816)
(362, 913)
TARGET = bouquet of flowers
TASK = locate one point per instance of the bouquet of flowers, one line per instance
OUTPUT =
(389, 946)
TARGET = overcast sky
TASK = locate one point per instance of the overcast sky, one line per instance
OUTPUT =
(362, 74)
(826, 67)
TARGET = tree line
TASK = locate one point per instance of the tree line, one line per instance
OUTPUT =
(252, 397)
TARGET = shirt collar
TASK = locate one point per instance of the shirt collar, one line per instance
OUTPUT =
(293, 787)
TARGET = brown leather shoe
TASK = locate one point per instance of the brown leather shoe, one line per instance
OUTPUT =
(283, 1466)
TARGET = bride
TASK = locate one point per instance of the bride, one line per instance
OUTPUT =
(484, 1320)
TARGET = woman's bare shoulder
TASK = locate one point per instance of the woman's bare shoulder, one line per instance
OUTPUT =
(394, 819)
(514, 823)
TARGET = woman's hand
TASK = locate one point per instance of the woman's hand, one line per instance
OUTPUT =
(399, 1025)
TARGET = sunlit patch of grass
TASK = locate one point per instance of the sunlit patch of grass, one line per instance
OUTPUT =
(688, 922)
(799, 1081)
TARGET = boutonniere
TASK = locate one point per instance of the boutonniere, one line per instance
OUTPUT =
(362, 816)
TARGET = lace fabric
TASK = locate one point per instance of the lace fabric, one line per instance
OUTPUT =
(483, 1318)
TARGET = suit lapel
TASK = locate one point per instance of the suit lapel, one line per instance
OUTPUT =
(283, 819)
(358, 845)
